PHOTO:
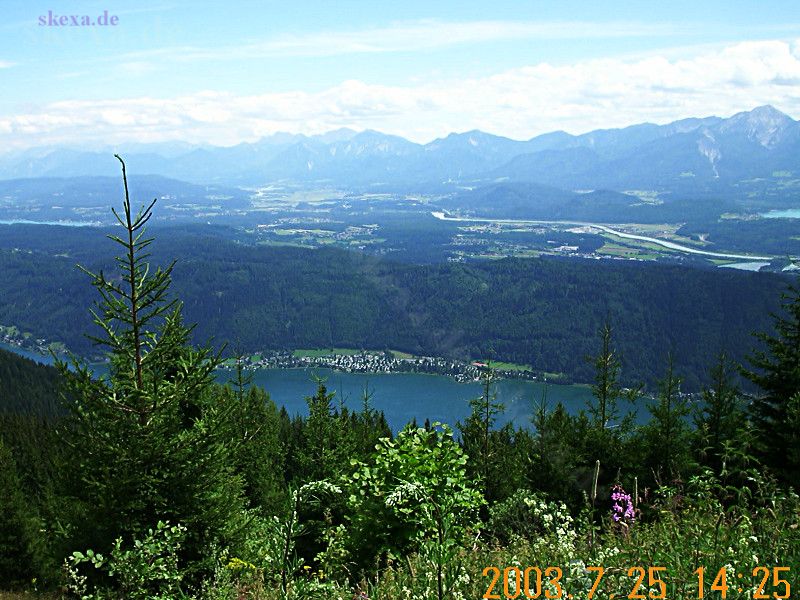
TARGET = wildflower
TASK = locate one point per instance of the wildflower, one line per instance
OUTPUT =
(622, 509)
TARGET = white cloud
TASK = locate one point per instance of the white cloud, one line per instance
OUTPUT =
(5, 64)
(518, 103)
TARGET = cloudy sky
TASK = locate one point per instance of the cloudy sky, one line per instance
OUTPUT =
(223, 73)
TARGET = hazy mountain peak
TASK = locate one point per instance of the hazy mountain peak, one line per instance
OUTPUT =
(474, 138)
(370, 141)
(764, 124)
(280, 138)
(342, 134)
(767, 110)
(692, 124)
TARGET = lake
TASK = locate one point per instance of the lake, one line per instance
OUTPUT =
(63, 223)
(789, 213)
(401, 396)
(405, 396)
(745, 266)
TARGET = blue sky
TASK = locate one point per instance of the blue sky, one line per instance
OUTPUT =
(228, 72)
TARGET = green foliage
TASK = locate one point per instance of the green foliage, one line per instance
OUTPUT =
(532, 516)
(696, 528)
(480, 440)
(147, 571)
(776, 371)
(368, 425)
(327, 443)
(258, 453)
(268, 556)
(556, 453)
(20, 543)
(606, 438)
(693, 529)
(414, 494)
(150, 441)
(27, 386)
(667, 434)
(724, 433)
(606, 387)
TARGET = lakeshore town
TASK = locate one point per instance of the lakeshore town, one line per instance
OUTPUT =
(379, 362)
(347, 361)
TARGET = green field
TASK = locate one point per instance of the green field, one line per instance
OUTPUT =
(320, 352)
(625, 251)
(635, 244)
(507, 366)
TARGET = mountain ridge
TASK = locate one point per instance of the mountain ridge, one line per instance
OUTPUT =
(695, 154)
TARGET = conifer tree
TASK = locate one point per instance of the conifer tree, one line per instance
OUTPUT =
(605, 440)
(18, 529)
(258, 453)
(668, 431)
(327, 442)
(721, 422)
(149, 441)
(776, 371)
(478, 438)
(606, 387)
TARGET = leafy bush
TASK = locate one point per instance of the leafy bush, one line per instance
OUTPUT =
(147, 571)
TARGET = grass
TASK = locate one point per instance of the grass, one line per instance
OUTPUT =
(508, 366)
(649, 228)
(556, 377)
(319, 352)
(283, 244)
(612, 249)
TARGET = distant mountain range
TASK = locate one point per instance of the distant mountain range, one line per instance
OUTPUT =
(750, 154)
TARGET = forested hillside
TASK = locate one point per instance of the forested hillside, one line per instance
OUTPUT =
(27, 386)
(542, 312)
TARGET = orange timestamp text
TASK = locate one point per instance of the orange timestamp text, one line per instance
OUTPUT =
(548, 583)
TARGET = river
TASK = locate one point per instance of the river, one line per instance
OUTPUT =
(630, 236)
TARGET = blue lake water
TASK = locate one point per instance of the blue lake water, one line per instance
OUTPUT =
(745, 266)
(40, 358)
(789, 213)
(405, 396)
(64, 223)
(401, 396)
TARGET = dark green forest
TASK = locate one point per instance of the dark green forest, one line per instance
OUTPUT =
(155, 482)
(774, 236)
(542, 312)
(27, 386)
